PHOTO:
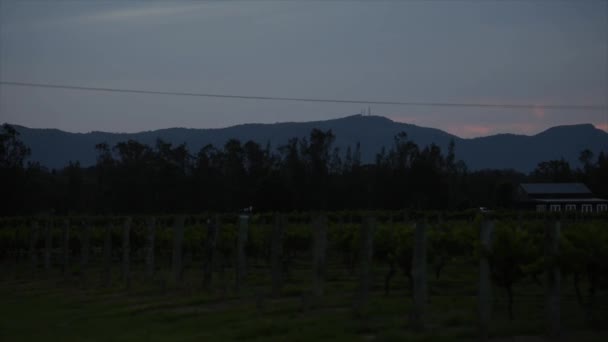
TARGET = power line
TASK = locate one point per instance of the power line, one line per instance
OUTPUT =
(303, 99)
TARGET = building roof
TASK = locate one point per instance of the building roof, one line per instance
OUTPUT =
(572, 200)
(556, 188)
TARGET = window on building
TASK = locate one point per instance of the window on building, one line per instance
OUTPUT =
(587, 208)
(602, 207)
(570, 207)
(540, 208)
(555, 207)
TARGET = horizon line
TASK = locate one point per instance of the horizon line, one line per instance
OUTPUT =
(605, 130)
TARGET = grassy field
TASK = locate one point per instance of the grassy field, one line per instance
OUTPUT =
(76, 308)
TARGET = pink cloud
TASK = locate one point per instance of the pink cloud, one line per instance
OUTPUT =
(469, 131)
(522, 128)
(603, 126)
(539, 112)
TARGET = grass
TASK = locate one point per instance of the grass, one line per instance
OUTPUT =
(51, 307)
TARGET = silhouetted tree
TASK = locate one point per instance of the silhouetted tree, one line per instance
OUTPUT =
(13, 153)
(553, 171)
(303, 174)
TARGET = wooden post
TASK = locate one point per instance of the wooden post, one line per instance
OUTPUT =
(485, 281)
(32, 248)
(178, 238)
(319, 249)
(366, 258)
(520, 220)
(126, 252)
(553, 279)
(210, 252)
(220, 258)
(86, 245)
(106, 276)
(14, 250)
(419, 278)
(48, 245)
(276, 254)
(66, 247)
(151, 233)
(241, 262)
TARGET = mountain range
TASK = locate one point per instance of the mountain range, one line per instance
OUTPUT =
(54, 148)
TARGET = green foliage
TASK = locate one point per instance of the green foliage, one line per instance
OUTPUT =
(447, 241)
(512, 250)
(298, 239)
(584, 256)
(393, 244)
(517, 252)
(584, 246)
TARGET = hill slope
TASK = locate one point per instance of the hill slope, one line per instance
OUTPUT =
(54, 148)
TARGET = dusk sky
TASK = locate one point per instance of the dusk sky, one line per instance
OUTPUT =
(538, 52)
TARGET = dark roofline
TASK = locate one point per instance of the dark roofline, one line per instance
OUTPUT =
(569, 200)
(561, 189)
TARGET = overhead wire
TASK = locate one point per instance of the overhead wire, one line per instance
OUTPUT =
(308, 99)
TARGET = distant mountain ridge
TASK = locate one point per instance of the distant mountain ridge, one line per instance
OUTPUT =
(54, 148)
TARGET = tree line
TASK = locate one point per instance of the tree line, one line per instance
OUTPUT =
(304, 174)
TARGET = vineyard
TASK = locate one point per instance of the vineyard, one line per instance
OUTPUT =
(302, 276)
